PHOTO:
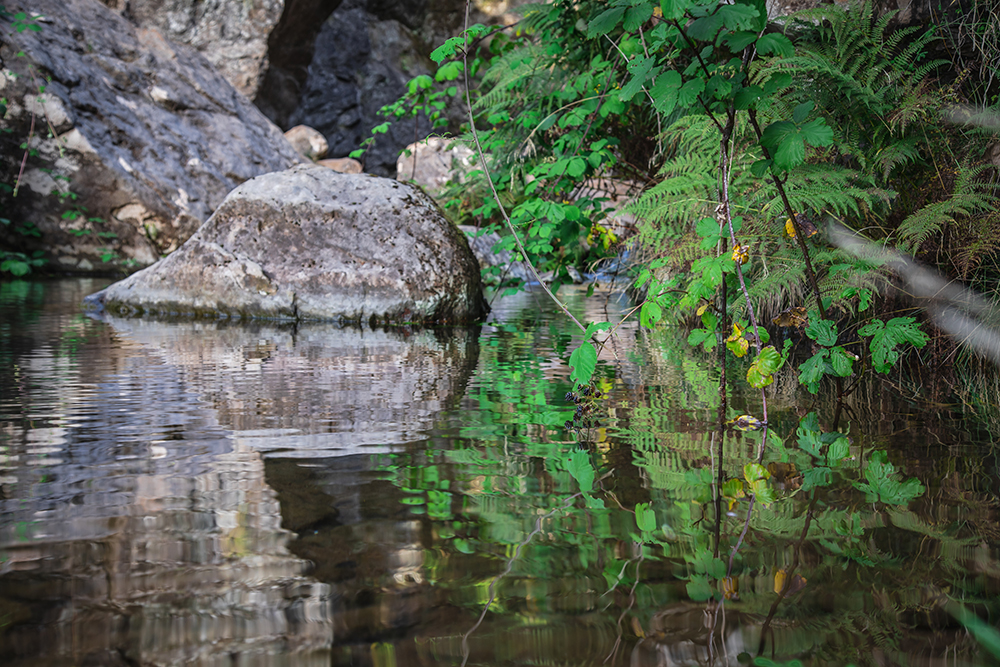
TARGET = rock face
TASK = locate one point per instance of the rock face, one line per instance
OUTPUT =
(231, 34)
(313, 244)
(149, 139)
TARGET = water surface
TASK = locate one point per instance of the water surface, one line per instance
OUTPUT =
(266, 494)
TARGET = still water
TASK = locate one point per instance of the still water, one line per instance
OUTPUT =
(178, 493)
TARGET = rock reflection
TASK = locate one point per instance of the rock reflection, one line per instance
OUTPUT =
(136, 524)
(316, 389)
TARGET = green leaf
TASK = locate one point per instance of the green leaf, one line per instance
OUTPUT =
(645, 517)
(841, 363)
(774, 43)
(791, 152)
(706, 28)
(577, 167)
(812, 370)
(746, 97)
(688, 94)
(839, 450)
(594, 327)
(888, 336)
(761, 371)
(447, 50)
(738, 16)
(584, 362)
(641, 69)
(823, 332)
(754, 471)
(582, 470)
(801, 112)
(650, 314)
(664, 93)
(605, 22)
(698, 588)
(636, 16)
(737, 41)
(817, 132)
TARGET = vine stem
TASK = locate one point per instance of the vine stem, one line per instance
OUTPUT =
(489, 179)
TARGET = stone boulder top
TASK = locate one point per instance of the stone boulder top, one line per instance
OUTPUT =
(313, 244)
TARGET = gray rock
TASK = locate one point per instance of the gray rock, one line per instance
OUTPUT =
(231, 34)
(482, 247)
(149, 138)
(310, 243)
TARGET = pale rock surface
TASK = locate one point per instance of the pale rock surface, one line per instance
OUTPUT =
(435, 162)
(309, 143)
(312, 244)
(344, 165)
(149, 138)
(231, 34)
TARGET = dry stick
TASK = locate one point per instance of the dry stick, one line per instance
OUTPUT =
(489, 179)
(27, 149)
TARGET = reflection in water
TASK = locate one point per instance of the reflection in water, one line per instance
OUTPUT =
(136, 524)
(206, 493)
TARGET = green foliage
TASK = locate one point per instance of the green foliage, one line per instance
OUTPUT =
(882, 484)
(888, 336)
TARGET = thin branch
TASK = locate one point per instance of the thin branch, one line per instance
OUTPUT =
(489, 179)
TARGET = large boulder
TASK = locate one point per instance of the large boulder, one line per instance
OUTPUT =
(135, 140)
(313, 244)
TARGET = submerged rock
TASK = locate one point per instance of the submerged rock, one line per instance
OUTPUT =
(313, 244)
(146, 138)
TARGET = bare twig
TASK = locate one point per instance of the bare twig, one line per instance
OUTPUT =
(489, 179)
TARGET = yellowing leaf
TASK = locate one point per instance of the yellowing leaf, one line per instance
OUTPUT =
(731, 588)
(746, 423)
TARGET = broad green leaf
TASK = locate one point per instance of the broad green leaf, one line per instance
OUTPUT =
(664, 93)
(746, 97)
(801, 112)
(650, 314)
(823, 332)
(737, 41)
(698, 588)
(645, 517)
(887, 336)
(605, 22)
(636, 16)
(738, 16)
(776, 44)
(688, 94)
(777, 82)
(841, 363)
(817, 132)
(706, 28)
(577, 167)
(790, 153)
(582, 470)
(812, 370)
(838, 450)
(584, 362)
(594, 327)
